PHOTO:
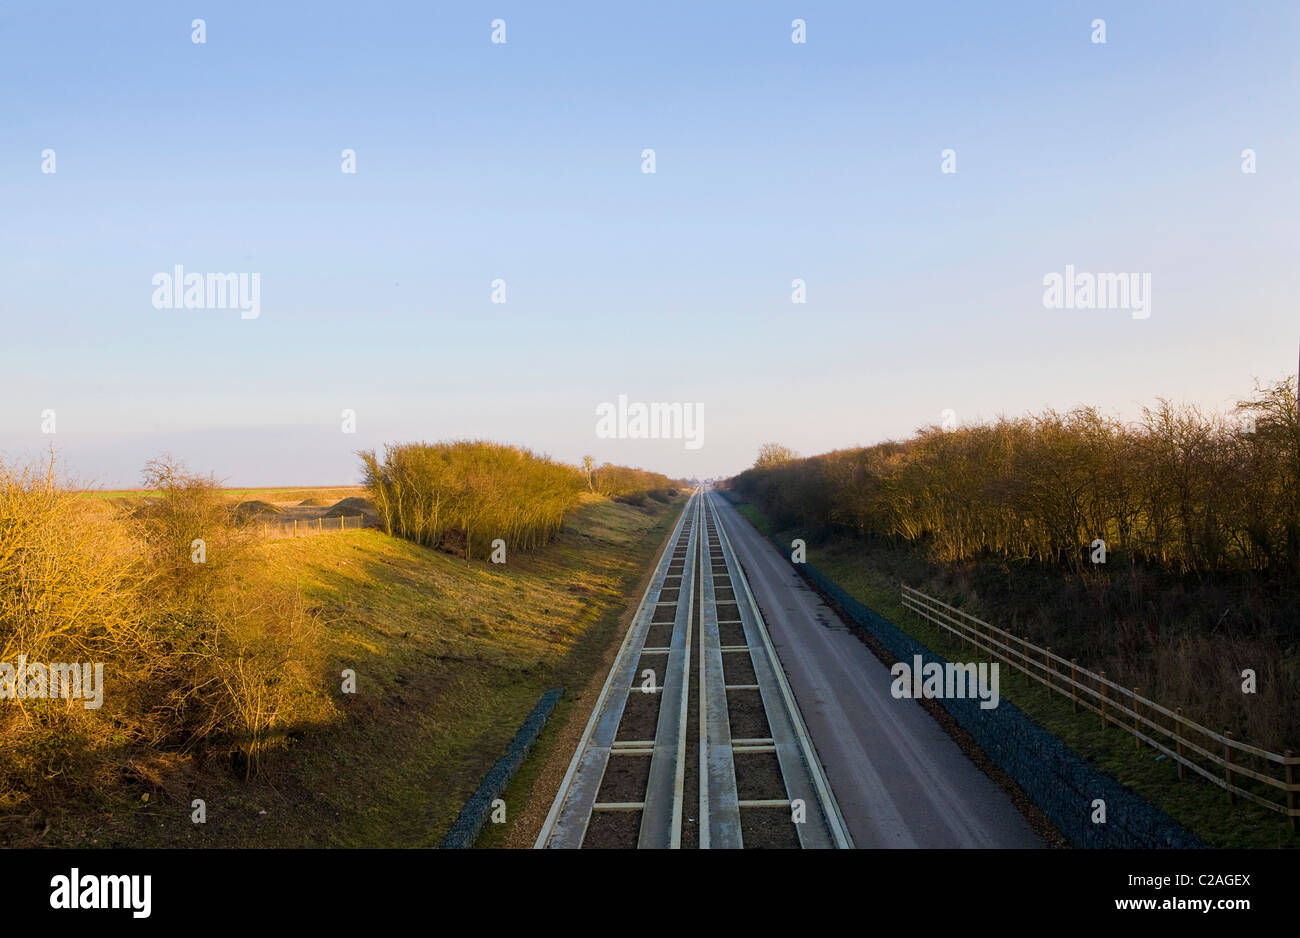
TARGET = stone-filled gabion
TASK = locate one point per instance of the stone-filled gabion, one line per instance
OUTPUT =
(475, 813)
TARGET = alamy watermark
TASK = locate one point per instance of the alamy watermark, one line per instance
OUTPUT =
(650, 421)
(88, 891)
(37, 681)
(1098, 291)
(949, 681)
(179, 290)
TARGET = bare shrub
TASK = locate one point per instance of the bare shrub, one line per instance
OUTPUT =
(484, 491)
(194, 658)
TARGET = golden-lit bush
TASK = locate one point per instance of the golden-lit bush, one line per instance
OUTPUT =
(625, 482)
(463, 495)
(191, 660)
(68, 593)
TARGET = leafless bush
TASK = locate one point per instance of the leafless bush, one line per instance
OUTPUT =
(193, 659)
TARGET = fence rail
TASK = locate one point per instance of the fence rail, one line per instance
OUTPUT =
(1183, 740)
(300, 527)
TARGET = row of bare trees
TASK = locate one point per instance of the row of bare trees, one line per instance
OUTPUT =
(626, 482)
(481, 491)
(466, 494)
(1179, 489)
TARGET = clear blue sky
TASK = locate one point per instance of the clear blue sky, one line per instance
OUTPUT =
(522, 161)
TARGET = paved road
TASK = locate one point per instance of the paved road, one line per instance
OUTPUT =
(899, 779)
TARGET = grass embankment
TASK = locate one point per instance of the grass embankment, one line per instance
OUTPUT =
(450, 656)
(872, 572)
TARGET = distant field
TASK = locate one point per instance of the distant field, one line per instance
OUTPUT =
(278, 511)
(330, 493)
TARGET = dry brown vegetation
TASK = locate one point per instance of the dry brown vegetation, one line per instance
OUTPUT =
(192, 666)
(1200, 514)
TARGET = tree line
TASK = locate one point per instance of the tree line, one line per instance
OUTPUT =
(628, 484)
(1179, 489)
(466, 494)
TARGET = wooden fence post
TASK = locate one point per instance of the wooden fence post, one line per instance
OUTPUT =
(1227, 769)
(1291, 797)
(1050, 673)
(1103, 699)
(1024, 652)
(1074, 679)
(1179, 737)
(1137, 712)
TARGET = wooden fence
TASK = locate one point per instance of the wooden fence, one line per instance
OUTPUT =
(313, 526)
(1219, 757)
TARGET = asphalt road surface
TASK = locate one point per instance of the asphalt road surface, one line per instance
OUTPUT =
(899, 779)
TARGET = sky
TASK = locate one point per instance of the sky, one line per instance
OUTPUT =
(774, 161)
